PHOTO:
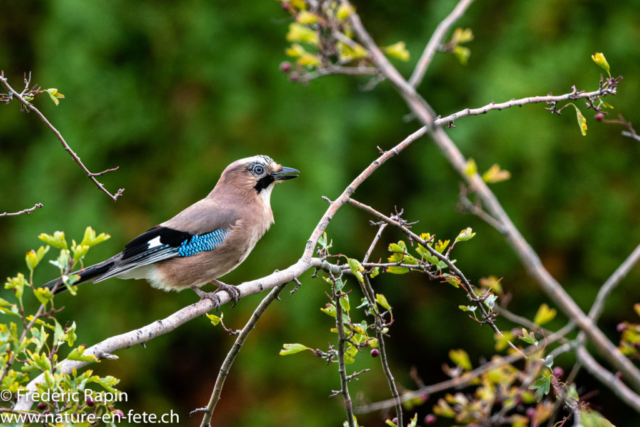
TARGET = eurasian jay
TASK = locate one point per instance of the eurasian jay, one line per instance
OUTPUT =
(206, 240)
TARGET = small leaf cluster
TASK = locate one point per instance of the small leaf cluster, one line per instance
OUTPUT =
(35, 343)
(630, 337)
(321, 37)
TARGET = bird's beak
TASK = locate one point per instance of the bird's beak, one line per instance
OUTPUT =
(285, 173)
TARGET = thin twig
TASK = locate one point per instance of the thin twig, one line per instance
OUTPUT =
(337, 69)
(344, 382)
(423, 112)
(607, 378)
(383, 353)
(306, 262)
(25, 211)
(66, 146)
(465, 379)
(487, 317)
(231, 356)
(612, 282)
(374, 242)
(436, 41)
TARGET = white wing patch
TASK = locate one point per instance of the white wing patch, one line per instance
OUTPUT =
(154, 243)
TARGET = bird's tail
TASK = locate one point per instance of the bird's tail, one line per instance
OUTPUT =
(88, 274)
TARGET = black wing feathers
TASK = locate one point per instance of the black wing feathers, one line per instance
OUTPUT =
(168, 236)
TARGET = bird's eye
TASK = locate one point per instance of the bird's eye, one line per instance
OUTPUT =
(258, 170)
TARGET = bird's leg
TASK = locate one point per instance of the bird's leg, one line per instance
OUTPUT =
(233, 291)
(208, 295)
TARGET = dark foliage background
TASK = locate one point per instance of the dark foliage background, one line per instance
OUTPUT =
(173, 92)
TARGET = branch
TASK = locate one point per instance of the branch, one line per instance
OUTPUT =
(421, 109)
(436, 41)
(383, 351)
(487, 317)
(26, 211)
(231, 356)
(74, 156)
(612, 282)
(464, 379)
(182, 316)
(337, 69)
(607, 378)
(344, 382)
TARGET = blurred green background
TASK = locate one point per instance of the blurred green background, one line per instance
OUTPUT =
(173, 92)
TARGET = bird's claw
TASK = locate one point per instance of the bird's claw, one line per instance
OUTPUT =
(233, 291)
(208, 295)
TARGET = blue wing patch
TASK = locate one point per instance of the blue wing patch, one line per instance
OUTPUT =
(201, 243)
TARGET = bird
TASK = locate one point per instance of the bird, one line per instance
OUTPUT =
(203, 242)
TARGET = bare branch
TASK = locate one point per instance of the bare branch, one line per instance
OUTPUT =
(421, 109)
(306, 262)
(231, 356)
(73, 155)
(607, 378)
(25, 211)
(344, 382)
(436, 41)
(465, 379)
(337, 69)
(612, 282)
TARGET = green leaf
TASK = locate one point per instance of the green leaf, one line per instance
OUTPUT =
(57, 240)
(55, 95)
(356, 269)
(215, 320)
(470, 308)
(529, 338)
(465, 235)
(330, 310)
(453, 280)
(390, 423)
(544, 315)
(300, 33)
(471, 168)
(33, 257)
(347, 53)
(582, 121)
(344, 303)
(90, 238)
(398, 51)
(17, 284)
(344, 11)
(306, 18)
(71, 334)
(541, 386)
(441, 246)
(462, 53)
(382, 300)
(591, 418)
(43, 295)
(375, 272)
(78, 354)
(599, 59)
(462, 35)
(414, 421)
(293, 349)
(460, 358)
(495, 174)
(491, 301)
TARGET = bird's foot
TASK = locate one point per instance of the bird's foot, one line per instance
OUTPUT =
(233, 291)
(208, 295)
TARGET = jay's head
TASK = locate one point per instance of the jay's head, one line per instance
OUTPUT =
(257, 174)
